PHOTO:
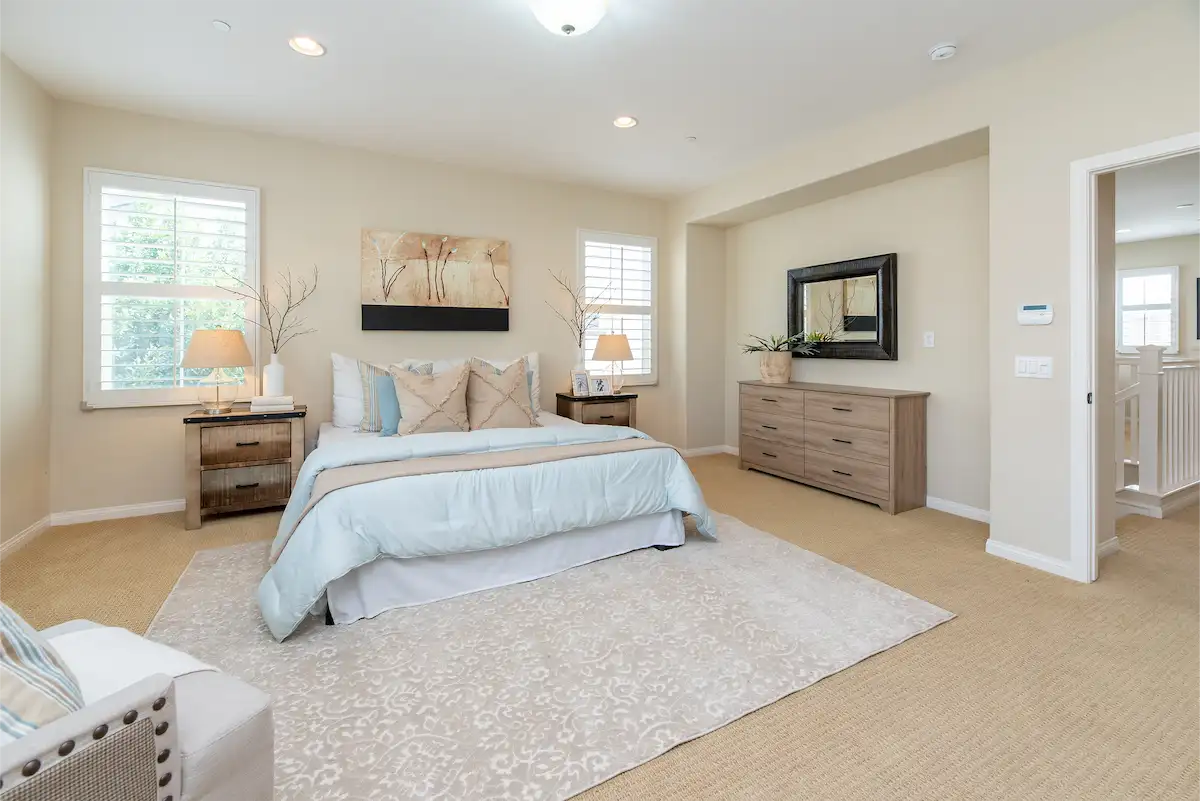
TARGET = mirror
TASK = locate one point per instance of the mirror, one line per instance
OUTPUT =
(846, 309)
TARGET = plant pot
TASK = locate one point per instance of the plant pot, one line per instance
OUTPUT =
(273, 378)
(775, 367)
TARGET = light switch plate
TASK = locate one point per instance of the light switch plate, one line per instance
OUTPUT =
(1035, 367)
(928, 340)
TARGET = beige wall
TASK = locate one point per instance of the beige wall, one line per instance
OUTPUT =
(705, 312)
(315, 200)
(25, 121)
(1121, 85)
(1179, 251)
(937, 224)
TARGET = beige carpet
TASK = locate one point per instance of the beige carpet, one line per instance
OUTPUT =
(1041, 688)
(542, 689)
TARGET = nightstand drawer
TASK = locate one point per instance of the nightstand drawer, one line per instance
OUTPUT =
(610, 414)
(237, 444)
(245, 486)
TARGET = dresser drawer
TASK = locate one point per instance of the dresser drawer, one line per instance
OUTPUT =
(774, 428)
(245, 486)
(236, 444)
(608, 414)
(851, 410)
(841, 440)
(768, 400)
(771, 455)
(866, 478)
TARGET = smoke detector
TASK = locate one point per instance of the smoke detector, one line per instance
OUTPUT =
(943, 51)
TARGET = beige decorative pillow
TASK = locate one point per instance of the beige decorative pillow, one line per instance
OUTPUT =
(499, 398)
(431, 403)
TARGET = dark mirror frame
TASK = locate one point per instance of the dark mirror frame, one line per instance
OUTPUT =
(884, 269)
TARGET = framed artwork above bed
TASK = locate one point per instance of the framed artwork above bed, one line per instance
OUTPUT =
(434, 282)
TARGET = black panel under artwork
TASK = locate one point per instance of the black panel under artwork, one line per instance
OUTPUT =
(432, 318)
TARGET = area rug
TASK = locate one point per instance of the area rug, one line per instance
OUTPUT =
(539, 690)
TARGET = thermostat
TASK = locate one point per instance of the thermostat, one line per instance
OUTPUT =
(1035, 314)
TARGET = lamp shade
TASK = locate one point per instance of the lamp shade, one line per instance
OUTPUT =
(219, 347)
(612, 348)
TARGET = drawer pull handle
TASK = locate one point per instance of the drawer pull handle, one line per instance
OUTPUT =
(245, 486)
(840, 409)
(769, 400)
(247, 444)
(843, 441)
(840, 473)
(769, 455)
(772, 428)
(608, 417)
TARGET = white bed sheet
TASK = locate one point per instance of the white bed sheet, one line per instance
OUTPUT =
(328, 433)
(387, 584)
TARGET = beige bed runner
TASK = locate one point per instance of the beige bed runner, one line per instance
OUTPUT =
(338, 478)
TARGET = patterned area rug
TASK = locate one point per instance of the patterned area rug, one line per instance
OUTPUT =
(540, 690)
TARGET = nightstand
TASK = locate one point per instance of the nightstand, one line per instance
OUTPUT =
(603, 410)
(240, 460)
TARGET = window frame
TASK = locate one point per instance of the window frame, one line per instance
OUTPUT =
(631, 240)
(94, 180)
(1173, 272)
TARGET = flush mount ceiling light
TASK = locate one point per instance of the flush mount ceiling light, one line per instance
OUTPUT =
(306, 46)
(943, 51)
(221, 25)
(625, 122)
(568, 17)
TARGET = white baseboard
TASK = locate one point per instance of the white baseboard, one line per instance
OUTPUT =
(960, 509)
(1023, 556)
(1107, 548)
(23, 538)
(711, 450)
(116, 512)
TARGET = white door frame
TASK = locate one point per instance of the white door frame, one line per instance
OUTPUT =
(1083, 335)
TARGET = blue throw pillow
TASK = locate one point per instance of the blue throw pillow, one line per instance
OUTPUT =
(389, 405)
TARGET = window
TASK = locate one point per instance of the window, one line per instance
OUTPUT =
(160, 255)
(1148, 308)
(619, 273)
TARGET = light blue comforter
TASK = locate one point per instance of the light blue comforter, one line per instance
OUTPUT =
(446, 513)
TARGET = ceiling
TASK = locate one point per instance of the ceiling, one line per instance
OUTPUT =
(481, 83)
(1148, 197)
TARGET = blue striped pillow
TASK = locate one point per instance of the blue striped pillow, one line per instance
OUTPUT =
(36, 686)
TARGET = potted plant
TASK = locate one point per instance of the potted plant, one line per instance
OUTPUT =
(776, 351)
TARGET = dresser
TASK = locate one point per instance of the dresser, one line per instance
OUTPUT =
(858, 441)
(240, 460)
(604, 410)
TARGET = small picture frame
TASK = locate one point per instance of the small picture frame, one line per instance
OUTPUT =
(580, 386)
(601, 386)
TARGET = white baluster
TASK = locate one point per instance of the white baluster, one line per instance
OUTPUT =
(1149, 441)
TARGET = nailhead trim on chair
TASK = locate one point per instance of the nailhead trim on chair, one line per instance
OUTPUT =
(166, 753)
(161, 729)
(99, 731)
(130, 717)
(66, 748)
(31, 767)
(158, 705)
(165, 780)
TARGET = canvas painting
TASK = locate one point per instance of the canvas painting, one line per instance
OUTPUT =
(434, 282)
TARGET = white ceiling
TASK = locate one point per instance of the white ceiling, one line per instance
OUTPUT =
(479, 82)
(1148, 198)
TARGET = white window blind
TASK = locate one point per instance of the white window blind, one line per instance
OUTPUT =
(161, 255)
(1148, 308)
(619, 274)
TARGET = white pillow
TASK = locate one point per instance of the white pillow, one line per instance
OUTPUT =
(347, 392)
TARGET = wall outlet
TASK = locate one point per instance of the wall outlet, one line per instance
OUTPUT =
(1035, 367)
(928, 340)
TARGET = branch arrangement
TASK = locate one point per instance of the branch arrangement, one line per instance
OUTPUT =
(583, 314)
(281, 325)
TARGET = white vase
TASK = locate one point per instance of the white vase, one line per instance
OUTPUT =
(273, 378)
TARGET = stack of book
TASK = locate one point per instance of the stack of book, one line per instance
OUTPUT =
(280, 403)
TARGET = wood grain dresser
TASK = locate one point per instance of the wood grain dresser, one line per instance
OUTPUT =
(240, 460)
(857, 441)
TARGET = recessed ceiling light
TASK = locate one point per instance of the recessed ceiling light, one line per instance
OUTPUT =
(943, 51)
(1185, 205)
(221, 25)
(306, 46)
(689, 139)
(1124, 230)
(625, 122)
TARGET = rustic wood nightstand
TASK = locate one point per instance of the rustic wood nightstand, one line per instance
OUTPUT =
(240, 460)
(604, 410)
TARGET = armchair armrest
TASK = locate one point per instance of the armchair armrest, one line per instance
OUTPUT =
(122, 747)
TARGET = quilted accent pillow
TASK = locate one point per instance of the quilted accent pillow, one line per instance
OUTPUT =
(431, 403)
(499, 398)
(36, 686)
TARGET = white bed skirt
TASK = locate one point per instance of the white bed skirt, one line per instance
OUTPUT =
(387, 584)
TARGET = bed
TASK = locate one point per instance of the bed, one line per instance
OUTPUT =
(395, 534)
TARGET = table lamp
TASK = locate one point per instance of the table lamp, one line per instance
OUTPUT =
(613, 348)
(217, 348)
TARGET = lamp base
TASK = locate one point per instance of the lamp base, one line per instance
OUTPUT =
(217, 407)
